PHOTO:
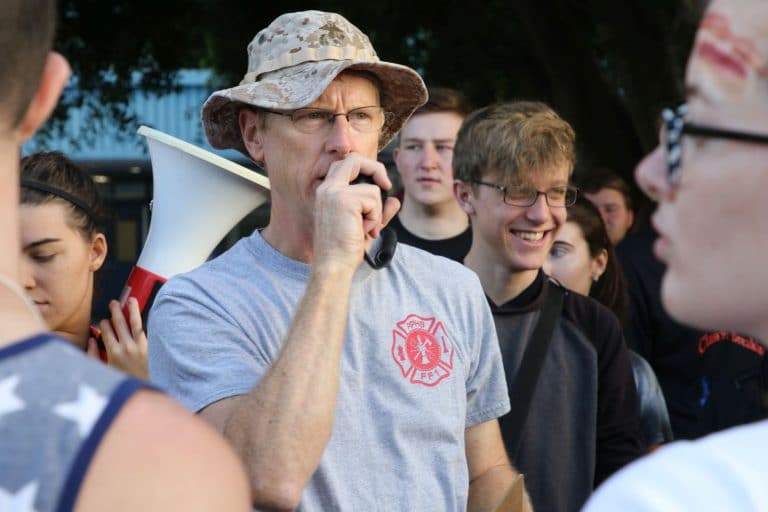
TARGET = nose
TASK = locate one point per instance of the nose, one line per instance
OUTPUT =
(340, 139)
(26, 274)
(651, 175)
(539, 211)
(429, 157)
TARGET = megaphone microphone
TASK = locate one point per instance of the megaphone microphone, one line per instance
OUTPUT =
(198, 198)
(383, 248)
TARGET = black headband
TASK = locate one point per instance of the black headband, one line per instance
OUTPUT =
(44, 187)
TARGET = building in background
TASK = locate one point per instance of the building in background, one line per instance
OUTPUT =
(118, 160)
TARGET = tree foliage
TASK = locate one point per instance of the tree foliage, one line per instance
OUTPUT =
(606, 66)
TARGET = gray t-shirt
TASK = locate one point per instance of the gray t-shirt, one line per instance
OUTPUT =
(55, 407)
(420, 364)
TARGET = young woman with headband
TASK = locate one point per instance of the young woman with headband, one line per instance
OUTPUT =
(63, 246)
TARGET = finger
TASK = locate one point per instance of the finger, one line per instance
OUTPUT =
(381, 177)
(111, 344)
(391, 207)
(107, 332)
(371, 210)
(346, 170)
(134, 318)
(119, 322)
(93, 349)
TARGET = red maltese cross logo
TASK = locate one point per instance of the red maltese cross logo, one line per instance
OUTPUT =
(422, 350)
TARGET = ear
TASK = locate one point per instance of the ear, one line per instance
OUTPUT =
(631, 217)
(252, 132)
(395, 156)
(464, 195)
(52, 81)
(98, 252)
(599, 263)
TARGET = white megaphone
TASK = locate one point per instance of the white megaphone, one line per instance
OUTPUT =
(198, 198)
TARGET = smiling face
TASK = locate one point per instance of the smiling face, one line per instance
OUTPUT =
(425, 157)
(297, 162)
(711, 224)
(58, 264)
(517, 238)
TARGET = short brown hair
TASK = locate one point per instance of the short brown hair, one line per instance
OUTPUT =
(510, 139)
(26, 36)
(601, 178)
(444, 99)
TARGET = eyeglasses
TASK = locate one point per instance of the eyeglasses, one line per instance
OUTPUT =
(556, 197)
(314, 120)
(676, 126)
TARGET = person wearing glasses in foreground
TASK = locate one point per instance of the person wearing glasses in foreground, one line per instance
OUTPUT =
(341, 385)
(709, 176)
(512, 165)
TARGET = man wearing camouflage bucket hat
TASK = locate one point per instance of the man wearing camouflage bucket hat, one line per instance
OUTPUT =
(342, 386)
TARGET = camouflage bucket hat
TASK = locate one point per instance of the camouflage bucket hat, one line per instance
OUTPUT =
(291, 63)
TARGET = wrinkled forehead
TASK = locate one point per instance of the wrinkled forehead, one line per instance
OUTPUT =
(727, 74)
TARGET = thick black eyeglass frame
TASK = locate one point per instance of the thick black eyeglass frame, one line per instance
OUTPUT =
(503, 189)
(676, 126)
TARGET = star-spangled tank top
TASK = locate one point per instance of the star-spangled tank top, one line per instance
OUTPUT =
(55, 407)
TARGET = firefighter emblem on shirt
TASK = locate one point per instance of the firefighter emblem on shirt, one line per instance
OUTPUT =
(422, 349)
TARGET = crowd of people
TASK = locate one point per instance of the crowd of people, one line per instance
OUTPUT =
(529, 343)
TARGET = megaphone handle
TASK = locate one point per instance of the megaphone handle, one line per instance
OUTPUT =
(141, 284)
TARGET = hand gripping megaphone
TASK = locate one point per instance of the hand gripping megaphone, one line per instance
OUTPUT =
(198, 198)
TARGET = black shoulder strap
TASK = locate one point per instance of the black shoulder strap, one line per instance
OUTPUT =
(530, 366)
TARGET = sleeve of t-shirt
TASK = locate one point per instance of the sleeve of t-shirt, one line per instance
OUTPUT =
(198, 352)
(487, 396)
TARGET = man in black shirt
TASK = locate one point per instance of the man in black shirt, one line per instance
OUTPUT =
(430, 217)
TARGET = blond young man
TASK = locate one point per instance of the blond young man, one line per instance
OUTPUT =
(77, 435)
(513, 163)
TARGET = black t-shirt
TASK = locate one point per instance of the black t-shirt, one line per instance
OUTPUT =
(455, 248)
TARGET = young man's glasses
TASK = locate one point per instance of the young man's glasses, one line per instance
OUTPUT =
(557, 197)
(314, 120)
(676, 126)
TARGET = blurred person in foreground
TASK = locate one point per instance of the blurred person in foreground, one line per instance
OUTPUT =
(709, 176)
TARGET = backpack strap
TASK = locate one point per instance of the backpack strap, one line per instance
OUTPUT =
(530, 366)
